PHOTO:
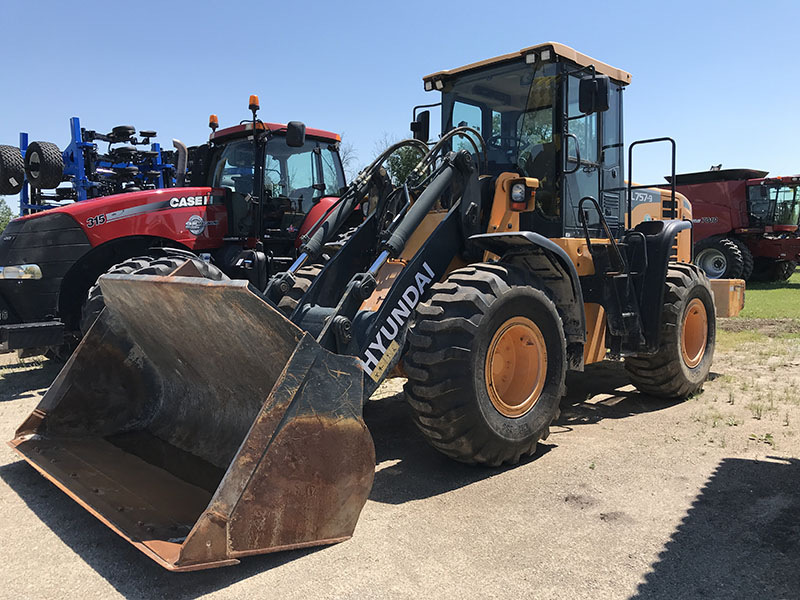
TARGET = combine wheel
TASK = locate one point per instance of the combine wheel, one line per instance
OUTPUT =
(486, 365)
(688, 332)
(747, 258)
(720, 258)
(140, 265)
(784, 270)
(303, 279)
(12, 170)
(44, 165)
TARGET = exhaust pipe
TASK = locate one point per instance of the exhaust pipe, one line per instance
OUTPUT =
(180, 167)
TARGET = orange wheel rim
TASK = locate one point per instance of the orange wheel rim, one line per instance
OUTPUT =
(516, 367)
(694, 333)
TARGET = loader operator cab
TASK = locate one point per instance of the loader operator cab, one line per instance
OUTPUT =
(549, 113)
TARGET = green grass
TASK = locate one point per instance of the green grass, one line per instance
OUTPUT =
(773, 300)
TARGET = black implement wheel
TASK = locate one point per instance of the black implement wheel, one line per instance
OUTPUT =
(688, 334)
(303, 279)
(719, 257)
(44, 165)
(747, 259)
(486, 364)
(140, 265)
(12, 170)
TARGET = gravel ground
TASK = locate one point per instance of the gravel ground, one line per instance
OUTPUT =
(630, 497)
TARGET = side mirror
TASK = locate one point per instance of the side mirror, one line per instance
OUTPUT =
(421, 126)
(295, 134)
(593, 94)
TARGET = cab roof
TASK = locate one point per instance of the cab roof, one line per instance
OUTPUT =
(274, 127)
(555, 48)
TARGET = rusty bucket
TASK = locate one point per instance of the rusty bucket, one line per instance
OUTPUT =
(202, 426)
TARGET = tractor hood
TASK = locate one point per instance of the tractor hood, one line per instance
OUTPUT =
(192, 216)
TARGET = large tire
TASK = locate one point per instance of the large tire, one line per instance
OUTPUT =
(140, 265)
(771, 270)
(44, 165)
(486, 364)
(688, 334)
(747, 259)
(784, 270)
(719, 257)
(303, 279)
(12, 170)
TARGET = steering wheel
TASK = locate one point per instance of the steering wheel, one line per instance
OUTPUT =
(496, 141)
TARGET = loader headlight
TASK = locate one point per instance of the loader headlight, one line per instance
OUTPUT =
(518, 192)
(21, 272)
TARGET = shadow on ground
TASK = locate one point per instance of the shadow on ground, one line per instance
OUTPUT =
(19, 380)
(131, 573)
(740, 539)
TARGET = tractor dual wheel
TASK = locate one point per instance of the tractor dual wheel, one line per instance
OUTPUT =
(720, 258)
(140, 265)
(486, 365)
(688, 334)
(44, 165)
(303, 278)
(12, 170)
(748, 262)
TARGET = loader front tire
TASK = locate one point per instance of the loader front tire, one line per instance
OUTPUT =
(303, 279)
(688, 334)
(486, 365)
(139, 265)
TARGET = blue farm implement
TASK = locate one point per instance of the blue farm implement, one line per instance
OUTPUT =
(44, 176)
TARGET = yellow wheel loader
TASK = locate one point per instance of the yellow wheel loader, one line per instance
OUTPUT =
(203, 425)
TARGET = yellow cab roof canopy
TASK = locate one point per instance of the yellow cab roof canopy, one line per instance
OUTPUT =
(547, 51)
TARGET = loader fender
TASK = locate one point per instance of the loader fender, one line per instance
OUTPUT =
(660, 236)
(538, 254)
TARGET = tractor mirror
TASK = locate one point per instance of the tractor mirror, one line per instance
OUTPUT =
(421, 126)
(295, 134)
(593, 94)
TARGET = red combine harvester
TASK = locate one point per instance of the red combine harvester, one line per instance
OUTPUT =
(745, 223)
(240, 210)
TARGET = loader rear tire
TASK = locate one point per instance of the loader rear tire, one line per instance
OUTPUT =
(140, 265)
(303, 279)
(12, 170)
(44, 165)
(486, 365)
(688, 334)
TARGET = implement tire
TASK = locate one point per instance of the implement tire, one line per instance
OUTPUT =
(44, 165)
(12, 170)
(719, 257)
(139, 265)
(486, 365)
(688, 334)
(303, 279)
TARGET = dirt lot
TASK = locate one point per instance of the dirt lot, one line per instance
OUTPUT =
(630, 497)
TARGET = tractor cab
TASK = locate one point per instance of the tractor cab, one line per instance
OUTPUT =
(774, 202)
(272, 180)
(546, 112)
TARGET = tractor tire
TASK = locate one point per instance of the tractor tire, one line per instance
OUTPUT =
(303, 279)
(486, 364)
(688, 334)
(719, 257)
(12, 170)
(784, 270)
(773, 271)
(747, 259)
(44, 165)
(140, 265)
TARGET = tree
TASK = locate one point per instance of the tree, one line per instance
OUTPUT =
(349, 158)
(401, 162)
(5, 213)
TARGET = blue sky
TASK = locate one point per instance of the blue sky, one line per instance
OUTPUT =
(719, 77)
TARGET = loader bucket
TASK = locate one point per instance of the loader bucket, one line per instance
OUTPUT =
(202, 426)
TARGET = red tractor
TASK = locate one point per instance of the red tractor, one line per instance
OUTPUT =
(249, 195)
(745, 224)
